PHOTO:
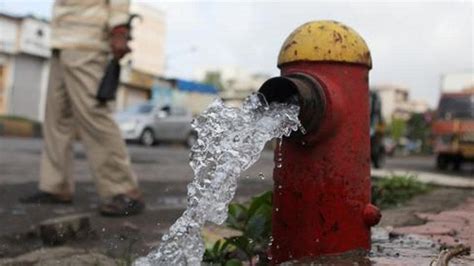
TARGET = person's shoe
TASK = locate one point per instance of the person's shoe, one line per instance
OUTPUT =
(41, 197)
(122, 205)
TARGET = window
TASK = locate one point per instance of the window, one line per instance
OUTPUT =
(456, 107)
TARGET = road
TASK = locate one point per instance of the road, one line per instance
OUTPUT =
(19, 162)
(426, 164)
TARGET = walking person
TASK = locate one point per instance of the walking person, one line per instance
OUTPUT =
(84, 35)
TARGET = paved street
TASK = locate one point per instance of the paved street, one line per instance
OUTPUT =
(19, 162)
(426, 164)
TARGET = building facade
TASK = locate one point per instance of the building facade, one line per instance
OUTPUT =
(237, 83)
(146, 62)
(24, 66)
(25, 52)
(396, 103)
(192, 95)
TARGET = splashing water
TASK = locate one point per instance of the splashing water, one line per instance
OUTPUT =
(229, 141)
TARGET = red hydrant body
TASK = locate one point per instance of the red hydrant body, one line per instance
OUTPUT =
(321, 202)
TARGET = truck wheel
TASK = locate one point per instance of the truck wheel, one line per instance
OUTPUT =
(147, 137)
(457, 163)
(442, 161)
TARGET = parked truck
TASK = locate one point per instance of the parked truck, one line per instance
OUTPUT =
(453, 125)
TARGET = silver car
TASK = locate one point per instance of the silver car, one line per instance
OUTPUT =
(149, 123)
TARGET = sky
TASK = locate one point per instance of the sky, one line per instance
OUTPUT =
(412, 42)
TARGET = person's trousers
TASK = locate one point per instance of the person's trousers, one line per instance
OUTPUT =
(71, 107)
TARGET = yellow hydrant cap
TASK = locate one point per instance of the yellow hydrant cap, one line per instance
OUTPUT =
(325, 40)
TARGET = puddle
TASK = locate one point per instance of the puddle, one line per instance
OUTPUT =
(386, 250)
(401, 250)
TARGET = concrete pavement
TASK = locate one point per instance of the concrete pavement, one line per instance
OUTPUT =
(449, 227)
(423, 167)
(440, 179)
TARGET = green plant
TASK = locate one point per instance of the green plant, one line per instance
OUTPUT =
(396, 189)
(220, 254)
(398, 129)
(254, 221)
(419, 128)
(17, 118)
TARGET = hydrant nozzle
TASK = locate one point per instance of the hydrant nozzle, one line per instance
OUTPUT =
(300, 89)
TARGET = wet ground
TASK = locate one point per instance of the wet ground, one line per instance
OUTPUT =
(130, 237)
(113, 236)
(164, 174)
(403, 250)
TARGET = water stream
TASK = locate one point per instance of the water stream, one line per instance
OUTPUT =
(229, 141)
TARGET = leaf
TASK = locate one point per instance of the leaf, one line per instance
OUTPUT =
(225, 246)
(240, 242)
(233, 262)
(216, 247)
(208, 257)
(259, 224)
(255, 223)
(263, 199)
(237, 215)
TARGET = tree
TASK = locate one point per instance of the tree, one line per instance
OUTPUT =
(418, 128)
(398, 129)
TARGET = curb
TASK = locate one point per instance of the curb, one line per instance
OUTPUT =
(427, 177)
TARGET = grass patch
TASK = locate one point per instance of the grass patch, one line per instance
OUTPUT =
(17, 118)
(396, 189)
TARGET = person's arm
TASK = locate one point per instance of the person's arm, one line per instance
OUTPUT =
(119, 35)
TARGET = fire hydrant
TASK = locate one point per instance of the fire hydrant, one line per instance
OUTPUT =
(321, 199)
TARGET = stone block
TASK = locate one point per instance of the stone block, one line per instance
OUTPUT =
(57, 231)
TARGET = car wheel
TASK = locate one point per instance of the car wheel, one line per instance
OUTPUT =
(147, 137)
(191, 139)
